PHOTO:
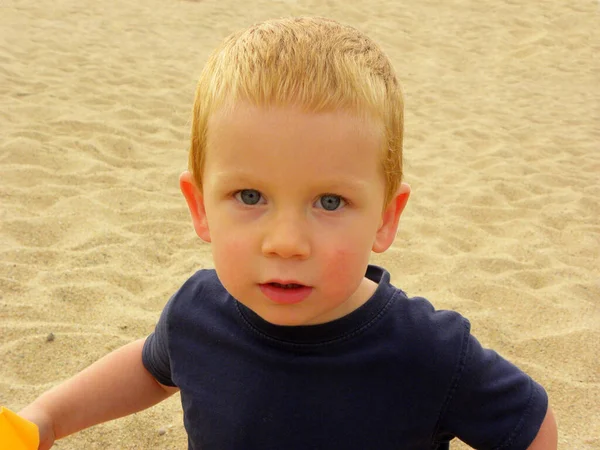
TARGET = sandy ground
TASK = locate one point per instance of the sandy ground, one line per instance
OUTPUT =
(502, 132)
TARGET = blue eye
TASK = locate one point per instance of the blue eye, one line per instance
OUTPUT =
(330, 202)
(248, 196)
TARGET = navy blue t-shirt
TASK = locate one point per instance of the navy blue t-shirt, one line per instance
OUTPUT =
(393, 374)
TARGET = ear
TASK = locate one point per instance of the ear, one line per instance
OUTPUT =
(386, 233)
(195, 203)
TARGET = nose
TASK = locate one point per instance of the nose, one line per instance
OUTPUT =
(287, 237)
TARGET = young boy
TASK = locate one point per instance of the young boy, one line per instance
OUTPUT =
(294, 341)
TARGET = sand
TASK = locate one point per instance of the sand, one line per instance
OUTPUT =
(502, 132)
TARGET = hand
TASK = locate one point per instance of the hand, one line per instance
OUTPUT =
(44, 424)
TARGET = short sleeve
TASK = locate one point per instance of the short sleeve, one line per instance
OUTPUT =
(493, 404)
(155, 354)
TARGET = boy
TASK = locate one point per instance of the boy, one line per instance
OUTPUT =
(294, 341)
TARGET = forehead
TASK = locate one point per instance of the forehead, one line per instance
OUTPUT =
(272, 140)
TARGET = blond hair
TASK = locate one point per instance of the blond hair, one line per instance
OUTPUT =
(315, 63)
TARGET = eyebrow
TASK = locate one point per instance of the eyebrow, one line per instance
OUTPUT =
(236, 176)
(241, 176)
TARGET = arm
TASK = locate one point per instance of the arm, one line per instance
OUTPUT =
(115, 386)
(547, 437)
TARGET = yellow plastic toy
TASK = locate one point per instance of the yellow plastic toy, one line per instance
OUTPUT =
(17, 433)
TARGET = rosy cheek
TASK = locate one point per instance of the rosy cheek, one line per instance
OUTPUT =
(231, 259)
(231, 248)
(340, 261)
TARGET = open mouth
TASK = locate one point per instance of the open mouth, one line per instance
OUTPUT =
(285, 293)
(286, 286)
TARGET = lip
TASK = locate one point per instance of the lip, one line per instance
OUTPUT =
(285, 296)
(278, 281)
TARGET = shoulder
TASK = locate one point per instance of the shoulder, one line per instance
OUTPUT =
(193, 293)
(434, 340)
(432, 329)
(415, 318)
(203, 282)
(487, 401)
(420, 314)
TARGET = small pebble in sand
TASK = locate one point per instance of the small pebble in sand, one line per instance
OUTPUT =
(162, 431)
(50, 337)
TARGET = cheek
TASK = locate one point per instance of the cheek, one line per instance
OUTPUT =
(351, 243)
(230, 259)
(230, 253)
(346, 264)
(345, 253)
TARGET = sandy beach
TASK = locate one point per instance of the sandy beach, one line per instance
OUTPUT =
(502, 152)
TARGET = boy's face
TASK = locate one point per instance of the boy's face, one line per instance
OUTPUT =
(292, 204)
